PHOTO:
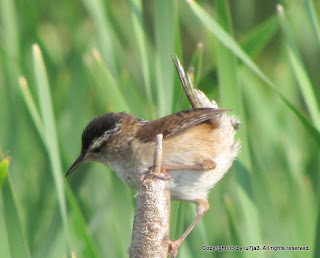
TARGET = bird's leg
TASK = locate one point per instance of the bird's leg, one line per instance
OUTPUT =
(206, 164)
(202, 208)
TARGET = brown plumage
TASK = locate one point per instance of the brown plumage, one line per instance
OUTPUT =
(176, 124)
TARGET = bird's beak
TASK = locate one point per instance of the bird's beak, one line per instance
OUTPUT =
(80, 160)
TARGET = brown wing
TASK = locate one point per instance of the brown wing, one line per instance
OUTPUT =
(177, 123)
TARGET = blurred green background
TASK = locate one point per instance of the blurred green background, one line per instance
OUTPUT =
(64, 62)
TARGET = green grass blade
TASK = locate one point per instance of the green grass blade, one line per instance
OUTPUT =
(196, 63)
(175, 226)
(227, 62)
(312, 17)
(260, 36)
(232, 221)
(108, 87)
(308, 125)
(79, 226)
(299, 70)
(231, 97)
(28, 99)
(16, 237)
(9, 68)
(4, 165)
(136, 15)
(50, 135)
(164, 12)
(317, 234)
(10, 36)
(252, 234)
(224, 37)
(105, 32)
(90, 249)
(305, 86)
(230, 94)
(4, 240)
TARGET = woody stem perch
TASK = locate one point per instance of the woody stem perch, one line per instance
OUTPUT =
(150, 234)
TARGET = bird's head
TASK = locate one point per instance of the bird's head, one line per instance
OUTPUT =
(97, 137)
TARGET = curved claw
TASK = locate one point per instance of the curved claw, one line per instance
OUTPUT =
(173, 248)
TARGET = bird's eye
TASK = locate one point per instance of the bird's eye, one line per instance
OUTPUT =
(97, 150)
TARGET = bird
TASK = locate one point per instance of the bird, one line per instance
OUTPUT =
(199, 147)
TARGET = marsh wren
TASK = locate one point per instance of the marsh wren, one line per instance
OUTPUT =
(198, 149)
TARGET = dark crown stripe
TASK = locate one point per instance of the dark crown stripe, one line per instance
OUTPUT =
(98, 126)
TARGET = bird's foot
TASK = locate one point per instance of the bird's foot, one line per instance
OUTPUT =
(208, 164)
(163, 176)
(173, 247)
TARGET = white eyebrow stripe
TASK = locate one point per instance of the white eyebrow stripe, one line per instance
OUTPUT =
(105, 136)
